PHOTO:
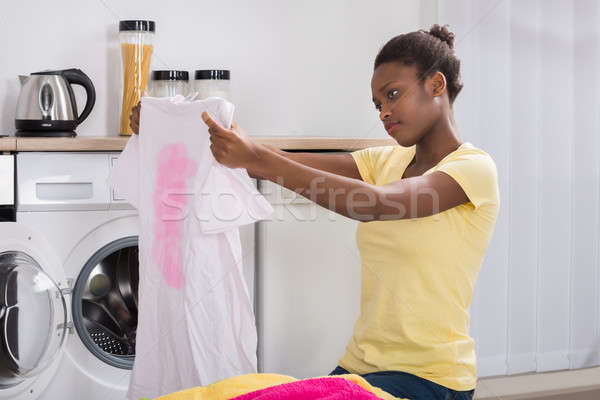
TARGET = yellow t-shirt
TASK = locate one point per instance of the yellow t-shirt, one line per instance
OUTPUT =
(418, 274)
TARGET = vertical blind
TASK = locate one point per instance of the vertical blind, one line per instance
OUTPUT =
(531, 100)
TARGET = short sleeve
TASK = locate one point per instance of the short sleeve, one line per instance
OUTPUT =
(370, 160)
(227, 199)
(475, 172)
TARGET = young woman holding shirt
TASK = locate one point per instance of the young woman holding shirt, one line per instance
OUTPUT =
(427, 208)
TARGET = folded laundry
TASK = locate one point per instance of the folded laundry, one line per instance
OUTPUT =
(275, 386)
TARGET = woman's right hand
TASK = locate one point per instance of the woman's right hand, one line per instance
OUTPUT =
(134, 118)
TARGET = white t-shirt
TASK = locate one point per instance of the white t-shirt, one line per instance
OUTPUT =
(195, 319)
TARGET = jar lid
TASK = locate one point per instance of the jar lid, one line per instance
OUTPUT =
(136, 25)
(222, 74)
(170, 75)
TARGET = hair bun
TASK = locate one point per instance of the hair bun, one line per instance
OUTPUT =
(442, 33)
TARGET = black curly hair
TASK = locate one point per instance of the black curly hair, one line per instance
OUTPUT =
(430, 51)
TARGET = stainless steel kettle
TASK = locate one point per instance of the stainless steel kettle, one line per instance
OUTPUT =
(47, 106)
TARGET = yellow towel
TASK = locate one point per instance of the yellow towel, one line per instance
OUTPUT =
(241, 384)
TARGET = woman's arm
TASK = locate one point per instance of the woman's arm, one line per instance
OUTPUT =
(414, 197)
(339, 164)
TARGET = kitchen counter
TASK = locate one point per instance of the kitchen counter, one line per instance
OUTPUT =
(117, 143)
(8, 144)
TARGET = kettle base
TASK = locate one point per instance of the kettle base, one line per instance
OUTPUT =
(45, 134)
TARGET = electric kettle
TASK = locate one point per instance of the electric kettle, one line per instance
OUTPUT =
(47, 106)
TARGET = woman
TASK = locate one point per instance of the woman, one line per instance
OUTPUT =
(427, 209)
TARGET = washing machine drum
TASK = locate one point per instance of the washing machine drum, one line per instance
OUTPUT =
(32, 318)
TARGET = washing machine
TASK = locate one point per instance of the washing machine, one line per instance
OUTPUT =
(68, 281)
(68, 277)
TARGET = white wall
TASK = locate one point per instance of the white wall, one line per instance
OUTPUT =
(298, 67)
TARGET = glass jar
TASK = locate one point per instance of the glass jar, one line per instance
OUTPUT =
(136, 37)
(169, 83)
(212, 83)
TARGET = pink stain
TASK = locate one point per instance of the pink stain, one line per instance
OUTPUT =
(170, 205)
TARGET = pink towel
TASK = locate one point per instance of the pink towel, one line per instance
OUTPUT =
(311, 389)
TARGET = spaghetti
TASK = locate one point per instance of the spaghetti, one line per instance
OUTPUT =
(136, 68)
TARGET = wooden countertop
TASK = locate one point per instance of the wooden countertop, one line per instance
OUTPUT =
(8, 144)
(117, 143)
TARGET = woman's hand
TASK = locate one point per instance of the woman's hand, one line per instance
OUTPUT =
(134, 118)
(232, 147)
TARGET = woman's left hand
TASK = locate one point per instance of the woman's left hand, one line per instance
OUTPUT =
(231, 147)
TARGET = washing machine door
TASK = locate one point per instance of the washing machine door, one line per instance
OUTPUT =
(33, 310)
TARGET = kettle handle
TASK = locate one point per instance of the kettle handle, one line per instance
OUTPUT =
(77, 77)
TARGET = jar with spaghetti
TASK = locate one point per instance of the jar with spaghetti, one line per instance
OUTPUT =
(136, 37)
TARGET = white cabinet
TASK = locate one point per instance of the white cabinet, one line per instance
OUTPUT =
(308, 285)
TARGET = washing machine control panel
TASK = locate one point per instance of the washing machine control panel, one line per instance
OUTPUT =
(57, 181)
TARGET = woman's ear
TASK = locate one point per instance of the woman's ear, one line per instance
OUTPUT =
(438, 84)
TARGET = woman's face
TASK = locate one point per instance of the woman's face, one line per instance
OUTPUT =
(405, 106)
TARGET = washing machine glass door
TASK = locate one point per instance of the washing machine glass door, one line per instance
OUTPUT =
(33, 316)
